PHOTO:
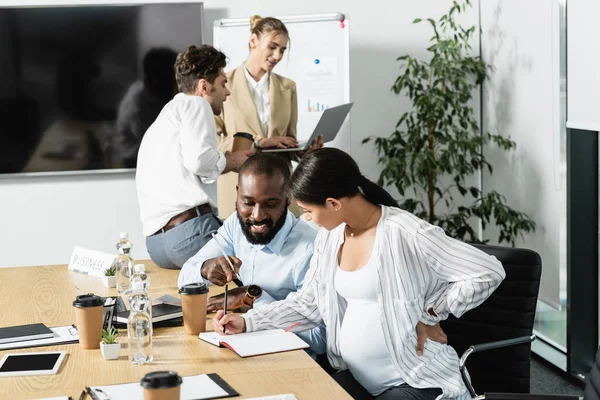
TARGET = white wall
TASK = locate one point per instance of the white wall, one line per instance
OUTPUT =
(584, 55)
(44, 217)
(522, 100)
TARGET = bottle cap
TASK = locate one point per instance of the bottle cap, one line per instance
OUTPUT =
(161, 380)
(124, 235)
(139, 268)
(87, 300)
(194, 288)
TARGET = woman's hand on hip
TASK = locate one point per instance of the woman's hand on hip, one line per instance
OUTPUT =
(433, 332)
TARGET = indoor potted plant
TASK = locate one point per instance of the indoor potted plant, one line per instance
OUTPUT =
(110, 278)
(109, 345)
(436, 149)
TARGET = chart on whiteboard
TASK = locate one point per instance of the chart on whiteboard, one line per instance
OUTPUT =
(317, 87)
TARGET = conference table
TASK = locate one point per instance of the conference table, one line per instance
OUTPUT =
(45, 294)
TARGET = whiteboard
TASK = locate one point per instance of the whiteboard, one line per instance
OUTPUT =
(317, 59)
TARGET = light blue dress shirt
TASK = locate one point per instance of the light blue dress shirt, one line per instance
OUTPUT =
(277, 267)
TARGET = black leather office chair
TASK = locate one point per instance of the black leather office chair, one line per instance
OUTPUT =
(507, 314)
(592, 387)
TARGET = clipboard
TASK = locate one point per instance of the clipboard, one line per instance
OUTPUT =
(196, 387)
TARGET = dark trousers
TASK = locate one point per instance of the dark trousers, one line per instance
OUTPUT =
(402, 392)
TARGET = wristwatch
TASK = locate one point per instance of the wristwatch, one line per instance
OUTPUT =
(253, 292)
(257, 146)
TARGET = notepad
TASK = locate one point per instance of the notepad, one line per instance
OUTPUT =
(197, 387)
(60, 335)
(256, 343)
(21, 333)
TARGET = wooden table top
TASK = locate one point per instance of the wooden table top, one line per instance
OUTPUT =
(45, 294)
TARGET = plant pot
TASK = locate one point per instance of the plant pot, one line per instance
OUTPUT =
(109, 281)
(110, 351)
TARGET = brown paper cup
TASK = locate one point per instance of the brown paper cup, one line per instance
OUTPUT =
(162, 394)
(161, 385)
(89, 326)
(194, 313)
(242, 141)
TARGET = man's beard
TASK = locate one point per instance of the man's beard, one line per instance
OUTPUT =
(261, 239)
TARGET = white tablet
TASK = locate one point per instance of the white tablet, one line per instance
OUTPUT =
(42, 363)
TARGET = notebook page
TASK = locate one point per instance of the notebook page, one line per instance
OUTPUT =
(215, 338)
(263, 342)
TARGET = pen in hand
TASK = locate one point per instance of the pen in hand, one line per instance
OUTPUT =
(236, 279)
(225, 307)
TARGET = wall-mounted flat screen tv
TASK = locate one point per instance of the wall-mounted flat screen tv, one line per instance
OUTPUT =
(79, 85)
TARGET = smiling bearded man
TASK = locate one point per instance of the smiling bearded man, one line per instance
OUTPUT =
(269, 247)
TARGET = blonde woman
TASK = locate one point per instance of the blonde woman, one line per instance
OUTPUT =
(262, 103)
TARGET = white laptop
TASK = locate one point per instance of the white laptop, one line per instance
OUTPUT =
(329, 125)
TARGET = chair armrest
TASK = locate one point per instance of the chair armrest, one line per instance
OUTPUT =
(502, 343)
(483, 347)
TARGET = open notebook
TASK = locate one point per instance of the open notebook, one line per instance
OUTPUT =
(256, 343)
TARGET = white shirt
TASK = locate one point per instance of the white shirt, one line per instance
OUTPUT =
(418, 267)
(260, 96)
(178, 163)
(362, 342)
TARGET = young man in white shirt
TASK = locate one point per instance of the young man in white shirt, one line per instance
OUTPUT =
(178, 162)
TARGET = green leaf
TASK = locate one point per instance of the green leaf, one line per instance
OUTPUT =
(438, 138)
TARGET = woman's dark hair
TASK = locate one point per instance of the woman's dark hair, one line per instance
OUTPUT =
(329, 172)
(195, 63)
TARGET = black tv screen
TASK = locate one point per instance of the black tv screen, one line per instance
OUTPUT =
(79, 85)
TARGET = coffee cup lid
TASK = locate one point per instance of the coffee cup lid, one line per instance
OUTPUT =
(245, 135)
(161, 380)
(194, 288)
(87, 300)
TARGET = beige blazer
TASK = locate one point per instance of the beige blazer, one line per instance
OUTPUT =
(239, 115)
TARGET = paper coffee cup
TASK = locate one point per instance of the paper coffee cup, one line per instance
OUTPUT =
(193, 307)
(161, 385)
(242, 141)
(88, 318)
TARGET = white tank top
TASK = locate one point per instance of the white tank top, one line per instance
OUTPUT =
(362, 343)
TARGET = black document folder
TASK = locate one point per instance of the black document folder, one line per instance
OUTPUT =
(21, 333)
(160, 312)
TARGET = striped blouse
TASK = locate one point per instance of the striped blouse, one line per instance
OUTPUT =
(419, 268)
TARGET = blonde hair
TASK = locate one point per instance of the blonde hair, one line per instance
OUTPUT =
(260, 26)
